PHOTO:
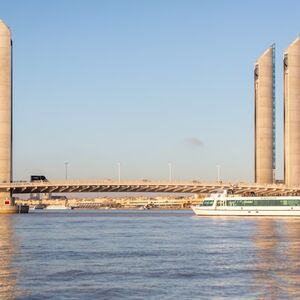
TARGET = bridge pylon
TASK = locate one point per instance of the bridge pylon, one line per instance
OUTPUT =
(7, 204)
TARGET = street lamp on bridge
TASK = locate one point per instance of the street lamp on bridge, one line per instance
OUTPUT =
(66, 170)
(119, 172)
(170, 171)
(219, 171)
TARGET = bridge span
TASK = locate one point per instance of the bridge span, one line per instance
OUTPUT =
(144, 186)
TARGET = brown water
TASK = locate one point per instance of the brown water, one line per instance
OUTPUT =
(147, 255)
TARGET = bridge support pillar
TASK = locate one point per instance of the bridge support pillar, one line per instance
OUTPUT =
(7, 203)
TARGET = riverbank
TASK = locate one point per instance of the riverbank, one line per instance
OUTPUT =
(128, 202)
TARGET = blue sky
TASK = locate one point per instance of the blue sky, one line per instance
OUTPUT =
(143, 83)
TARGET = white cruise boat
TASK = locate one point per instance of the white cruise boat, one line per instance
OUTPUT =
(220, 204)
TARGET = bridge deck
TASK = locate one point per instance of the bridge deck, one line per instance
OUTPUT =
(143, 186)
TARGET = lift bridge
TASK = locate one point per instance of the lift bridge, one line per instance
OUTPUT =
(145, 186)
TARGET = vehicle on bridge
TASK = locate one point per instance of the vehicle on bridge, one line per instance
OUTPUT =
(38, 178)
(220, 204)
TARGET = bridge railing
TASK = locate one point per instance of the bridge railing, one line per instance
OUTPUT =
(113, 182)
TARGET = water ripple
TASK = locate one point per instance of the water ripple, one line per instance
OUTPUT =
(147, 255)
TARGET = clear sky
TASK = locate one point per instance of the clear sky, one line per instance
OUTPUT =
(143, 83)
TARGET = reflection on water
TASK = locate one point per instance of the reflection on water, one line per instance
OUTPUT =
(291, 276)
(7, 249)
(277, 244)
(147, 255)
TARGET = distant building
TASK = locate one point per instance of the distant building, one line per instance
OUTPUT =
(35, 196)
(264, 97)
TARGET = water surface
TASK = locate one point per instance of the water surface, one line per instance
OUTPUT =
(147, 255)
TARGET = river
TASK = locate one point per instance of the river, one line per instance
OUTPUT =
(123, 254)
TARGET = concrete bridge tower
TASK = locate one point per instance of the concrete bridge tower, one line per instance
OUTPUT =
(6, 201)
(264, 94)
(291, 66)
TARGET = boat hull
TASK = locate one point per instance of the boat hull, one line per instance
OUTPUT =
(289, 211)
(23, 209)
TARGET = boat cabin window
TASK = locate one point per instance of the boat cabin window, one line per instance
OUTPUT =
(264, 202)
(207, 203)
